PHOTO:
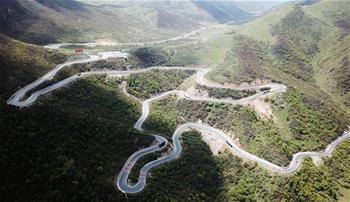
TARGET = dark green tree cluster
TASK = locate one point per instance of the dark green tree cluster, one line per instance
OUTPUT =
(151, 56)
(227, 93)
(144, 85)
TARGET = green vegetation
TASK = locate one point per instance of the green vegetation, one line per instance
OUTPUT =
(224, 11)
(227, 93)
(246, 181)
(255, 135)
(298, 38)
(243, 63)
(217, 42)
(260, 28)
(183, 180)
(313, 125)
(48, 21)
(71, 143)
(311, 184)
(182, 56)
(312, 121)
(112, 64)
(339, 164)
(144, 85)
(76, 141)
(151, 56)
(22, 63)
(163, 118)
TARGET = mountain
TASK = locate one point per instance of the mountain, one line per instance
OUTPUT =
(72, 142)
(62, 4)
(45, 21)
(306, 43)
(49, 21)
(258, 7)
(223, 11)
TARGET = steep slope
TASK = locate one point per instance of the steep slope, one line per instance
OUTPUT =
(332, 62)
(306, 47)
(46, 21)
(18, 20)
(197, 10)
(21, 63)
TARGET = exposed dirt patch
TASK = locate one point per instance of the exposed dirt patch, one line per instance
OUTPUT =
(317, 161)
(216, 144)
(192, 91)
(263, 108)
(256, 82)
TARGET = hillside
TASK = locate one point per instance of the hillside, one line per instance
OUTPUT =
(43, 22)
(332, 62)
(223, 11)
(49, 21)
(296, 50)
(304, 46)
(70, 144)
(197, 10)
(21, 63)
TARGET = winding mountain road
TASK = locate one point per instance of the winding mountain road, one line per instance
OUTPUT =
(122, 180)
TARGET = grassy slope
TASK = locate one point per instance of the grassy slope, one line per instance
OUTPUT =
(289, 59)
(34, 22)
(307, 50)
(223, 11)
(259, 29)
(332, 63)
(211, 51)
